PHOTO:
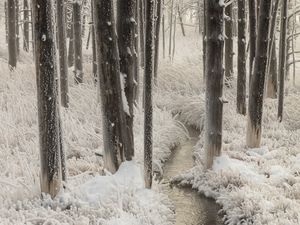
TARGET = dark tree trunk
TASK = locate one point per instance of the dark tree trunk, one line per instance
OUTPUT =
(241, 76)
(126, 38)
(62, 48)
(214, 80)
(148, 143)
(157, 30)
(282, 57)
(48, 113)
(12, 42)
(252, 35)
(26, 26)
(228, 46)
(17, 27)
(114, 124)
(257, 84)
(77, 31)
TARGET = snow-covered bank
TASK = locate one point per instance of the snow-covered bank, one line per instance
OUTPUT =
(19, 158)
(253, 186)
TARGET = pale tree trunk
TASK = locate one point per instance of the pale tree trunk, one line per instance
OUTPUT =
(271, 91)
(113, 120)
(282, 57)
(204, 38)
(228, 46)
(252, 35)
(126, 38)
(241, 74)
(77, 31)
(214, 80)
(136, 56)
(157, 36)
(181, 21)
(148, 118)
(142, 32)
(170, 26)
(17, 27)
(62, 48)
(6, 22)
(94, 44)
(48, 113)
(257, 84)
(12, 42)
(163, 28)
(71, 46)
(26, 26)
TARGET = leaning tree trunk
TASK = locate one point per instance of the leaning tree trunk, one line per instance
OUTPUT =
(255, 107)
(282, 57)
(126, 39)
(241, 74)
(77, 32)
(252, 35)
(157, 30)
(214, 80)
(180, 20)
(62, 48)
(148, 143)
(228, 46)
(26, 26)
(48, 113)
(114, 124)
(12, 44)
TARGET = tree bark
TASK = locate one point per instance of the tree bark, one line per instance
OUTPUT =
(148, 118)
(282, 57)
(170, 26)
(77, 31)
(12, 42)
(71, 46)
(228, 46)
(214, 80)
(114, 124)
(142, 32)
(157, 36)
(26, 26)
(94, 45)
(6, 21)
(62, 48)
(126, 32)
(204, 38)
(48, 113)
(17, 27)
(252, 35)
(181, 21)
(255, 108)
(241, 76)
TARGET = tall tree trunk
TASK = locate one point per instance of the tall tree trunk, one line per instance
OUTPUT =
(282, 57)
(48, 113)
(26, 26)
(12, 44)
(71, 47)
(6, 22)
(148, 118)
(163, 28)
(142, 32)
(77, 31)
(204, 35)
(62, 48)
(180, 20)
(17, 27)
(170, 26)
(228, 46)
(252, 35)
(157, 30)
(126, 37)
(255, 108)
(241, 74)
(114, 124)
(214, 80)
(94, 44)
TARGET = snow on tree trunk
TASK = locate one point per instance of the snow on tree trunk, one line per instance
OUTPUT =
(252, 35)
(77, 31)
(228, 46)
(257, 84)
(214, 79)
(241, 74)
(62, 48)
(48, 113)
(148, 118)
(26, 26)
(114, 124)
(282, 57)
(12, 44)
(126, 24)
(157, 36)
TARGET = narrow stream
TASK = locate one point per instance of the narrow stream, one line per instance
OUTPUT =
(191, 208)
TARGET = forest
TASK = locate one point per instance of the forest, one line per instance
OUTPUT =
(149, 112)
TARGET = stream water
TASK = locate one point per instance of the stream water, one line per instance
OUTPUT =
(191, 207)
